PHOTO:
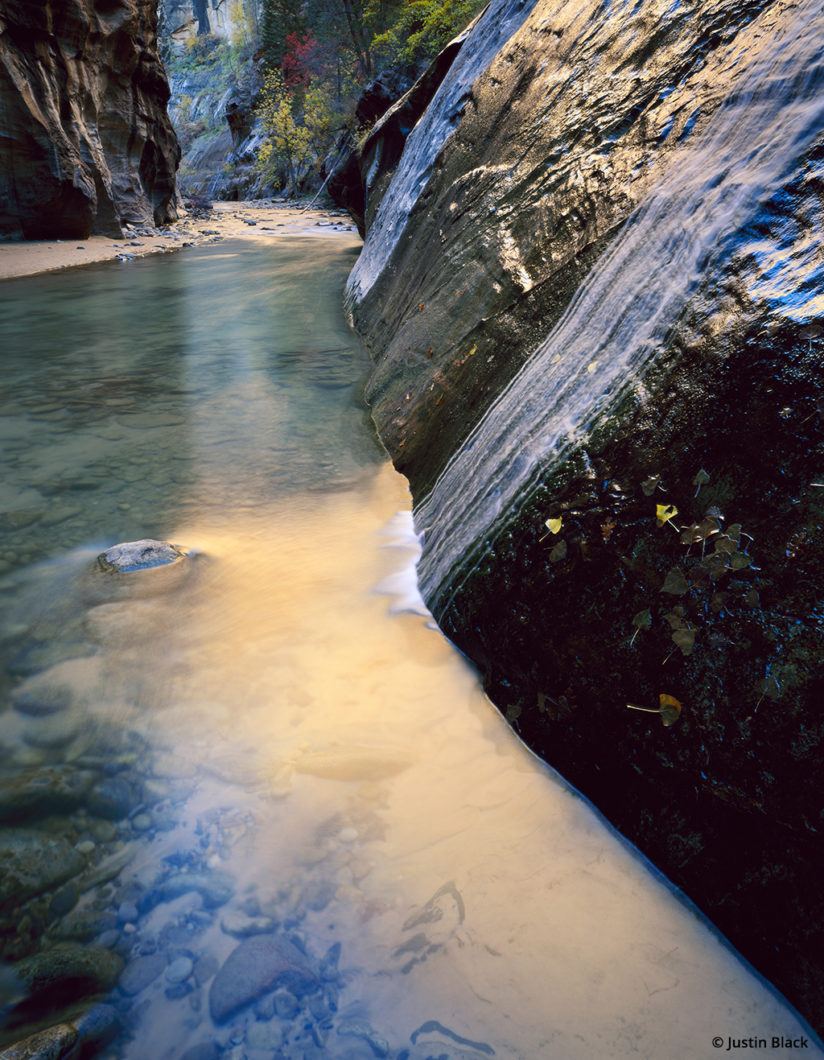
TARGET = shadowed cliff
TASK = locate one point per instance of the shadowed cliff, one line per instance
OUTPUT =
(85, 142)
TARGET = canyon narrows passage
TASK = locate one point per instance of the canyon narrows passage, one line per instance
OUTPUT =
(260, 791)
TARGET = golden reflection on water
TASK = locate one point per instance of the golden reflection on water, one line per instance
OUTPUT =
(342, 742)
(291, 715)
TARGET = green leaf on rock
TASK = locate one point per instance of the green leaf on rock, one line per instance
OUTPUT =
(684, 639)
(701, 479)
(558, 553)
(643, 620)
(675, 583)
(725, 545)
(739, 560)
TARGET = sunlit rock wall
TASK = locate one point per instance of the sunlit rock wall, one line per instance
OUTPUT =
(503, 213)
(85, 142)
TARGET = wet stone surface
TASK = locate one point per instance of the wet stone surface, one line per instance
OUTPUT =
(141, 555)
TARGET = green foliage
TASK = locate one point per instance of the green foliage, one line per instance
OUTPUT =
(319, 119)
(423, 28)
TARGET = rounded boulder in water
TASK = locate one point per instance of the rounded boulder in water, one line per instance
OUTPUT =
(146, 554)
(135, 569)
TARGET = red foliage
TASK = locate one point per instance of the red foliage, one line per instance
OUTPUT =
(300, 59)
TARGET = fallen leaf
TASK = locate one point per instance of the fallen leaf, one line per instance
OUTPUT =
(675, 583)
(649, 485)
(701, 479)
(725, 545)
(690, 535)
(769, 687)
(669, 708)
(665, 512)
(684, 639)
(558, 553)
(643, 620)
(554, 525)
(675, 618)
(715, 565)
(708, 526)
(739, 560)
(607, 528)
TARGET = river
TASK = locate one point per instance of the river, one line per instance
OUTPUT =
(258, 788)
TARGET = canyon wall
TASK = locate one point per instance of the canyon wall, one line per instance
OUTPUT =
(592, 287)
(85, 141)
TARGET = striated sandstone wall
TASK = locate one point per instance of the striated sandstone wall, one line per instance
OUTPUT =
(85, 141)
(592, 286)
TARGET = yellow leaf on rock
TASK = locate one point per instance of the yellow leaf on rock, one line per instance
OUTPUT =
(554, 525)
(669, 708)
(665, 512)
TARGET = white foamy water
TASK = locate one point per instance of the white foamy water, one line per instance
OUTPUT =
(620, 317)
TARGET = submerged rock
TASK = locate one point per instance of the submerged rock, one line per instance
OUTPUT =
(214, 888)
(51, 1044)
(60, 686)
(44, 790)
(141, 972)
(111, 799)
(594, 309)
(33, 862)
(82, 1036)
(65, 972)
(258, 965)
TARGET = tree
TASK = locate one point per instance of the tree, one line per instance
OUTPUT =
(422, 28)
(288, 142)
(201, 13)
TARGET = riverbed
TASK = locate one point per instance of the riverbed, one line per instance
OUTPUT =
(257, 789)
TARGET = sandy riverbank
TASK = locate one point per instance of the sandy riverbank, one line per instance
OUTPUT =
(226, 220)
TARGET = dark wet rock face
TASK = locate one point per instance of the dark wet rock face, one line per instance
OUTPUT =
(596, 323)
(86, 144)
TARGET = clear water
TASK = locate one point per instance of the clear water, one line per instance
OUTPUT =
(299, 753)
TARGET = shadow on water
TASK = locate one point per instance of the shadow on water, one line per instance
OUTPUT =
(253, 805)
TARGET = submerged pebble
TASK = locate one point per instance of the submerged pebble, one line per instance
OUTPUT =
(180, 969)
(140, 973)
(256, 966)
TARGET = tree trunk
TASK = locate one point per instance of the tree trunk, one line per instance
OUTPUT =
(201, 13)
(359, 38)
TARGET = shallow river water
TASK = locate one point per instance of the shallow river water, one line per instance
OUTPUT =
(258, 789)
